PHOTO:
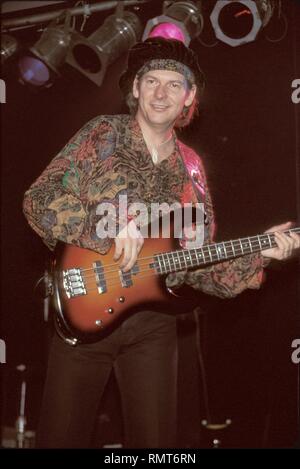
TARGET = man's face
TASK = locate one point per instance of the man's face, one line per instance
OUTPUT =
(162, 94)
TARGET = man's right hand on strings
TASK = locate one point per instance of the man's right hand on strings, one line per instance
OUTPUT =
(129, 241)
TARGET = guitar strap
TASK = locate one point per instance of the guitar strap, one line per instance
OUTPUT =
(192, 167)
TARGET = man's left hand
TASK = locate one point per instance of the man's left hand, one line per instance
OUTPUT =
(287, 244)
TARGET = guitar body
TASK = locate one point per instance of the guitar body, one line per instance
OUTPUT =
(104, 296)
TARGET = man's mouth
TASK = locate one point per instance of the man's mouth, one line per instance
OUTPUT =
(159, 107)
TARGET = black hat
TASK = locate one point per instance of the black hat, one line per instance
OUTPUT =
(159, 49)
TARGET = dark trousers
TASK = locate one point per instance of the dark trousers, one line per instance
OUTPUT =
(143, 353)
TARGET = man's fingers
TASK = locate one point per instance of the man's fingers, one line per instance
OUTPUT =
(289, 240)
(140, 243)
(128, 252)
(132, 249)
(118, 249)
(282, 239)
(285, 244)
(296, 239)
(130, 244)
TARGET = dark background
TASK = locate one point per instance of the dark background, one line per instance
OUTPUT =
(247, 133)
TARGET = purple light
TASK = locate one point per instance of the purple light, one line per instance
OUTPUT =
(168, 31)
(33, 71)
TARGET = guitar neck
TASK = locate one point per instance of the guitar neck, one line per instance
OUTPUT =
(212, 253)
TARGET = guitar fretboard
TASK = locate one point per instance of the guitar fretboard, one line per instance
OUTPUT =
(187, 258)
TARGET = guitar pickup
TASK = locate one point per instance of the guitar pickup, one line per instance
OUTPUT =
(126, 277)
(73, 283)
(100, 278)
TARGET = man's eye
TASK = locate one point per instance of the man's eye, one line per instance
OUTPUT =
(175, 86)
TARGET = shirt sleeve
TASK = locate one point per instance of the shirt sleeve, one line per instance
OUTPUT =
(56, 205)
(225, 279)
(229, 278)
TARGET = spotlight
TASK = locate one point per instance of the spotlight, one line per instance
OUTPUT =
(92, 55)
(239, 22)
(9, 46)
(181, 20)
(40, 66)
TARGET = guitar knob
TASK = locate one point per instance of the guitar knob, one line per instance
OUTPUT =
(98, 322)
(121, 299)
(110, 310)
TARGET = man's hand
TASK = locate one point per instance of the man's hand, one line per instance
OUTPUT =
(130, 241)
(286, 244)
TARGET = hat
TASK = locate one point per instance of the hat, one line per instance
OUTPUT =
(161, 54)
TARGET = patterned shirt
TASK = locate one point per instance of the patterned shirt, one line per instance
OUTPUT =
(108, 158)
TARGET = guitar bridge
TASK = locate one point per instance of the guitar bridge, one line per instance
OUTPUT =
(73, 283)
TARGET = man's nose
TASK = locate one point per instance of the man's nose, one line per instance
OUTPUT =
(160, 91)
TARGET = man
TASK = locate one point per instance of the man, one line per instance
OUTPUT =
(138, 156)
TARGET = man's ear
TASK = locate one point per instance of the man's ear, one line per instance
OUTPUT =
(190, 96)
(135, 88)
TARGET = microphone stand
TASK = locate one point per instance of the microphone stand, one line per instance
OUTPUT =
(21, 420)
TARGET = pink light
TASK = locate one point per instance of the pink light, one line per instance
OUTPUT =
(168, 31)
(243, 12)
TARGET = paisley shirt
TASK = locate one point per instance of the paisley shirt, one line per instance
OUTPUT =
(108, 158)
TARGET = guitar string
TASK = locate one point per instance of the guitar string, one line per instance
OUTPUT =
(169, 268)
(116, 271)
(208, 247)
(172, 263)
(115, 281)
(118, 283)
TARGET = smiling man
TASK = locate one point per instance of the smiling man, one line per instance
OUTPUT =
(162, 95)
(140, 156)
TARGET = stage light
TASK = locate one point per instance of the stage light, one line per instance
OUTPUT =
(34, 72)
(40, 65)
(92, 55)
(9, 45)
(239, 22)
(181, 20)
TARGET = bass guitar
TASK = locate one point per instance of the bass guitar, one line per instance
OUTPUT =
(92, 294)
